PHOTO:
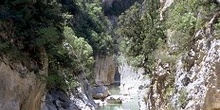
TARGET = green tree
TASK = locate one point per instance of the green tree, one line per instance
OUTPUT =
(89, 22)
(185, 18)
(27, 26)
(142, 31)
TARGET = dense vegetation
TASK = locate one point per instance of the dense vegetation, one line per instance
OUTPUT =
(142, 33)
(117, 7)
(144, 39)
(190, 15)
(69, 32)
(72, 32)
(152, 43)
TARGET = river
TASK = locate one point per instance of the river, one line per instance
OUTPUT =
(133, 86)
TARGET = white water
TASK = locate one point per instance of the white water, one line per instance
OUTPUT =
(129, 90)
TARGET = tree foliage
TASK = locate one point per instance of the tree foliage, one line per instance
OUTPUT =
(90, 23)
(117, 7)
(185, 18)
(71, 32)
(27, 26)
(142, 31)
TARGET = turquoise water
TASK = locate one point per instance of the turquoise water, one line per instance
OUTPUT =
(129, 103)
(114, 90)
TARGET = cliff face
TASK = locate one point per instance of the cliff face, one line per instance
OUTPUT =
(79, 98)
(192, 83)
(25, 90)
(197, 75)
(104, 70)
(17, 92)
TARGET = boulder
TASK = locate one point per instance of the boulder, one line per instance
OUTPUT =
(100, 92)
(79, 98)
(58, 99)
(114, 99)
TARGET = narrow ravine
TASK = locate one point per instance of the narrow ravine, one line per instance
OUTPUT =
(131, 91)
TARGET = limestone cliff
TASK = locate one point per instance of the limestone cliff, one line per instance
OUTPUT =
(105, 67)
(197, 75)
(192, 82)
(20, 88)
(78, 98)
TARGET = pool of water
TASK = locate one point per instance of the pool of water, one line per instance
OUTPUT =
(129, 102)
(132, 99)
(128, 105)
(132, 80)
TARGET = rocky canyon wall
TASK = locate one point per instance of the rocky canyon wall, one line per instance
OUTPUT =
(25, 90)
(105, 68)
(192, 82)
(20, 88)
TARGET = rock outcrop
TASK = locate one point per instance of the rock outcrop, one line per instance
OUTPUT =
(197, 75)
(20, 88)
(100, 92)
(78, 98)
(192, 83)
(105, 67)
(57, 99)
(160, 89)
(114, 99)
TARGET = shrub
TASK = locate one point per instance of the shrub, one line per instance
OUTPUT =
(184, 18)
(142, 33)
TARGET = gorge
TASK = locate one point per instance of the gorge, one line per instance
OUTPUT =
(109, 55)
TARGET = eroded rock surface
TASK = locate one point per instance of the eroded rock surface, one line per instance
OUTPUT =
(194, 85)
(105, 67)
(77, 99)
(18, 92)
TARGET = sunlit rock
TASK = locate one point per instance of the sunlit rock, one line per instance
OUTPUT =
(105, 69)
(99, 102)
(114, 99)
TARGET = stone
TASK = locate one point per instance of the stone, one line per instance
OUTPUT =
(20, 93)
(186, 81)
(141, 87)
(105, 69)
(114, 99)
(57, 99)
(100, 92)
(80, 98)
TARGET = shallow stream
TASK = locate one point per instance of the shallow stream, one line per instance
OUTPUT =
(133, 86)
